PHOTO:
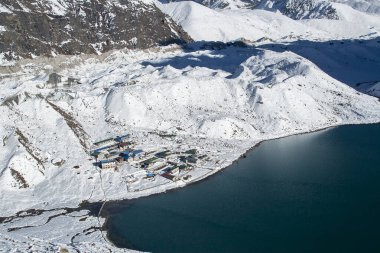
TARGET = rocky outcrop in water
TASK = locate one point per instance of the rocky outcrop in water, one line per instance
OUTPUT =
(48, 27)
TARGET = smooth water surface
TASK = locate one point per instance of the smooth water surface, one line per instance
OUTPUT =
(317, 192)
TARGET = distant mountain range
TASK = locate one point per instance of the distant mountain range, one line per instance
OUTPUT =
(48, 27)
(296, 9)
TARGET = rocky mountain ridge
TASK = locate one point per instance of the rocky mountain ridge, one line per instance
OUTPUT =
(295, 9)
(50, 27)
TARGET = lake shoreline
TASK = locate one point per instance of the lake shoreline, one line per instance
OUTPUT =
(110, 207)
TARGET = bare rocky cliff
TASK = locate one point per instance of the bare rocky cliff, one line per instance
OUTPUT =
(48, 27)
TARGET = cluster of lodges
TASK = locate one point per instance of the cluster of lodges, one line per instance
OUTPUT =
(110, 152)
(169, 165)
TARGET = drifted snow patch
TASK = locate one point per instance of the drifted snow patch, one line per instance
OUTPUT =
(22, 172)
(227, 128)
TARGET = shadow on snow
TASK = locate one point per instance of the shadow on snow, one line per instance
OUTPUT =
(221, 56)
(353, 62)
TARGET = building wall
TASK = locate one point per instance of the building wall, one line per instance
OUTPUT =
(108, 165)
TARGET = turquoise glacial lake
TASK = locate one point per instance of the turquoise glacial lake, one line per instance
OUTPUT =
(317, 192)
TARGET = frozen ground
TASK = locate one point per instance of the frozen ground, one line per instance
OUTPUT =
(221, 98)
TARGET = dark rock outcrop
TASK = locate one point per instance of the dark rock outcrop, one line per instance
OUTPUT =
(47, 27)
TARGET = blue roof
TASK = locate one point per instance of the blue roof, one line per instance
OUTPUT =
(150, 174)
(107, 161)
(100, 149)
(95, 153)
(128, 153)
(120, 138)
(103, 141)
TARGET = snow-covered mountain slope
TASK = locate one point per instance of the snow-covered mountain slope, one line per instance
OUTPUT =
(373, 89)
(203, 23)
(50, 27)
(349, 55)
(301, 9)
(231, 93)
(295, 9)
(353, 62)
(369, 6)
(222, 4)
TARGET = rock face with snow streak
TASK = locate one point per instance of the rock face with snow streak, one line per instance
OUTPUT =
(301, 9)
(295, 9)
(47, 27)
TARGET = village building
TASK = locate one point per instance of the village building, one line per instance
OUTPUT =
(95, 154)
(121, 138)
(137, 153)
(104, 142)
(175, 171)
(123, 145)
(108, 164)
(125, 155)
(119, 159)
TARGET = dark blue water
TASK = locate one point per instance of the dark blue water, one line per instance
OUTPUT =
(317, 192)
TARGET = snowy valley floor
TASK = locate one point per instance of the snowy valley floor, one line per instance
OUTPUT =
(219, 98)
